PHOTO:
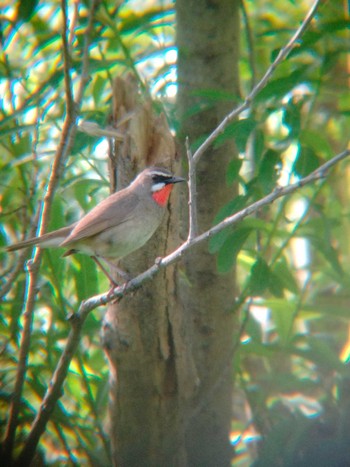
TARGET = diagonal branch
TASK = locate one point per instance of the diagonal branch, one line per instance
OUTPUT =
(33, 273)
(78, 319)
(62, 153)
(278, 192)
(54, 390)
(283, 53)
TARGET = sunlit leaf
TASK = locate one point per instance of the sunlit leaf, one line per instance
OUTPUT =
(283, 317)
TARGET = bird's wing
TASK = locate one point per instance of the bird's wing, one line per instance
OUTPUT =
(111, 212)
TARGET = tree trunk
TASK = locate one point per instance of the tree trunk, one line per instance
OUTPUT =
(137, 332)
(170, 344)
(207, 36)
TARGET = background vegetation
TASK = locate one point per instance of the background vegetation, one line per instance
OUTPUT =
(291, 402)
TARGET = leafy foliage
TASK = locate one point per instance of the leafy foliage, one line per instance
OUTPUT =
(294, 351)
(33, 83)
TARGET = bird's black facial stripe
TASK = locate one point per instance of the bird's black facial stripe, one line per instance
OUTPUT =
(161, 178)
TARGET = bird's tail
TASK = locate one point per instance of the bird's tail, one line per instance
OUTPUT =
(51, 239)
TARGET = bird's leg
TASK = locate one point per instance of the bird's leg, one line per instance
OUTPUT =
(112, 281)
(124, 275)
(105, 272)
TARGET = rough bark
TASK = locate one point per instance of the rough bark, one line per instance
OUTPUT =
(170, 344)
(137, 334)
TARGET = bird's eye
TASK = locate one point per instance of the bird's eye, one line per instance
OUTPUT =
(159, 178)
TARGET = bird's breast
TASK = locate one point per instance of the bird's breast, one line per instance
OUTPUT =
(122, 239)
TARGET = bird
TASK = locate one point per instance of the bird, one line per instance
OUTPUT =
(117, 226)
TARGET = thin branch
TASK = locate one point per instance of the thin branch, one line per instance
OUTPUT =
(55, 387)
(53, 393)
(30, 293)
(54, 390)
(192, 195)
(130, 62)
(250, 43)
(11, 278)
(67, 61)
(62, 436)
(93, 407)
(118, 292)
(283, 53)
(62, 153)
(86, 55)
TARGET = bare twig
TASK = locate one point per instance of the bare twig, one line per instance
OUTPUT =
(85, 61)
(11, 278)
(284, 52)
(63, 150)
(250, 43)
(54, 390)
(192, 195)
(67, 61)
(279, 192)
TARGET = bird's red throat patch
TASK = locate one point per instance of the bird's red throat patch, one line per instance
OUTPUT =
(161, 196)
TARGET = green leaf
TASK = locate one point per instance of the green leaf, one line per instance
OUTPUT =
(269, 170)
(57, 219)
(321, 353)
(217, 240)
(85, 277)
(26, 9)
(145, 19)
(316, 141)
(260, 277)
(259, 349)
(277, 88)
(240, 131)
(230, 249)
(24, 145)
(307, 161)
(258, 144)
(324, 247)
(276, 286)
(285, 276)
(235, 205)
(283, 316)
(292, 118)
(98, 88)
(233, 169)
(83, 190)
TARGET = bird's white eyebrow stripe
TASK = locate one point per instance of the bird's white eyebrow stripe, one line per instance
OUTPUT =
(162, 174)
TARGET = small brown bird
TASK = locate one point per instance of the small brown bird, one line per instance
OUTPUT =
(118, 225)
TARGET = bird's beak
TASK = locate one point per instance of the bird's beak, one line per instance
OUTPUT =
(175, 180)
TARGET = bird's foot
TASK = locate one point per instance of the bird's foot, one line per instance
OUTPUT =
(114, 285)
